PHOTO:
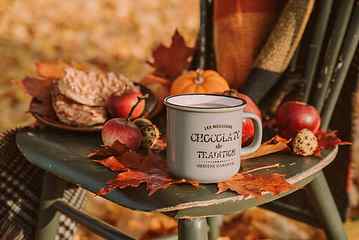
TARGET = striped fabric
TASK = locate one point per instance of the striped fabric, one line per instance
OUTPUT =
(20, 191)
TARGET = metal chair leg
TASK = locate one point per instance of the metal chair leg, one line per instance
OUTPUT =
(318, 191)
(194, 229)
(52, 190)
(214, 224)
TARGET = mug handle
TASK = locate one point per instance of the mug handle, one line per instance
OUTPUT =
(258, 132)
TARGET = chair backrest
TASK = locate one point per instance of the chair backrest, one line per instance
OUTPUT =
(325, 56)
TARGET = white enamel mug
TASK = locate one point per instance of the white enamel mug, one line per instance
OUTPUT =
(204, 133)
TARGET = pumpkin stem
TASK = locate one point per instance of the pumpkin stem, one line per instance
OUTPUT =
(199, 79)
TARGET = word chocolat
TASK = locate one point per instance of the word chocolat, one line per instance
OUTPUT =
(216, 138)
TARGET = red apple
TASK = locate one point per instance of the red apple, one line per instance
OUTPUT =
(122, 130)
(251, 105)
(293, 116)
(120, 105)
(248, 125)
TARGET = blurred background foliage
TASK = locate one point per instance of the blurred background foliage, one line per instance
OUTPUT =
(118, 34)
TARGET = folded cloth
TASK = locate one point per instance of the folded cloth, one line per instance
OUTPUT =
(20, 191)
(274, 57)
(240, 29)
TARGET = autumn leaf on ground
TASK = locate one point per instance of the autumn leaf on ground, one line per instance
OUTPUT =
(169, 62)
(255, 185)
(328, 140)
(273, 145)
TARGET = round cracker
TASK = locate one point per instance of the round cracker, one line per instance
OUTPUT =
(75, 114)
(92, 88)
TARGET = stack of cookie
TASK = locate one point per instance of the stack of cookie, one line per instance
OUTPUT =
(79, 97)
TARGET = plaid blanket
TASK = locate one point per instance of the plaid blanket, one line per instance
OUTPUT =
(20, 191)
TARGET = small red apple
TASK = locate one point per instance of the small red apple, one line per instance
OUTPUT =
(122, 130)
(248, 125)
(293, 116)
(121, 105)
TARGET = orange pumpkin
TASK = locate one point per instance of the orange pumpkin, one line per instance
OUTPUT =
(200, 81)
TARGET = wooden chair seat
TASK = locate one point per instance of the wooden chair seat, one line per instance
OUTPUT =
(64, 154)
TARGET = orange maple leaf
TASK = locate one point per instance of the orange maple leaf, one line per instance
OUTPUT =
(51, 69)
(169, 62)
(273, 145)
(255, 185)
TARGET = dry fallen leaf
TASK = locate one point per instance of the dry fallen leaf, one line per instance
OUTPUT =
(275, 144)
(51, 70)
(134, 168)
(328, 140)
(255, 185)
(169, 62)
(37, 87)
(130, 178)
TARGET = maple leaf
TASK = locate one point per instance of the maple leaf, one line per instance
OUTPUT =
(135, 168)
(123, 180)
(112, 163)
(273, 145)
(51, 69)
(150, 168)
(102, 152)
(255, 185)
(154, 181)
(42, 107)
(169, 62)
(328, 140)
(37, 87)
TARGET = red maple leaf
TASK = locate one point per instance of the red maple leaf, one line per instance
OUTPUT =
(37, 87)
(328, 140)
(134, 168)
(169, 62)
(113, 164)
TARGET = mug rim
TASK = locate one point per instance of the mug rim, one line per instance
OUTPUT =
(204, 109)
